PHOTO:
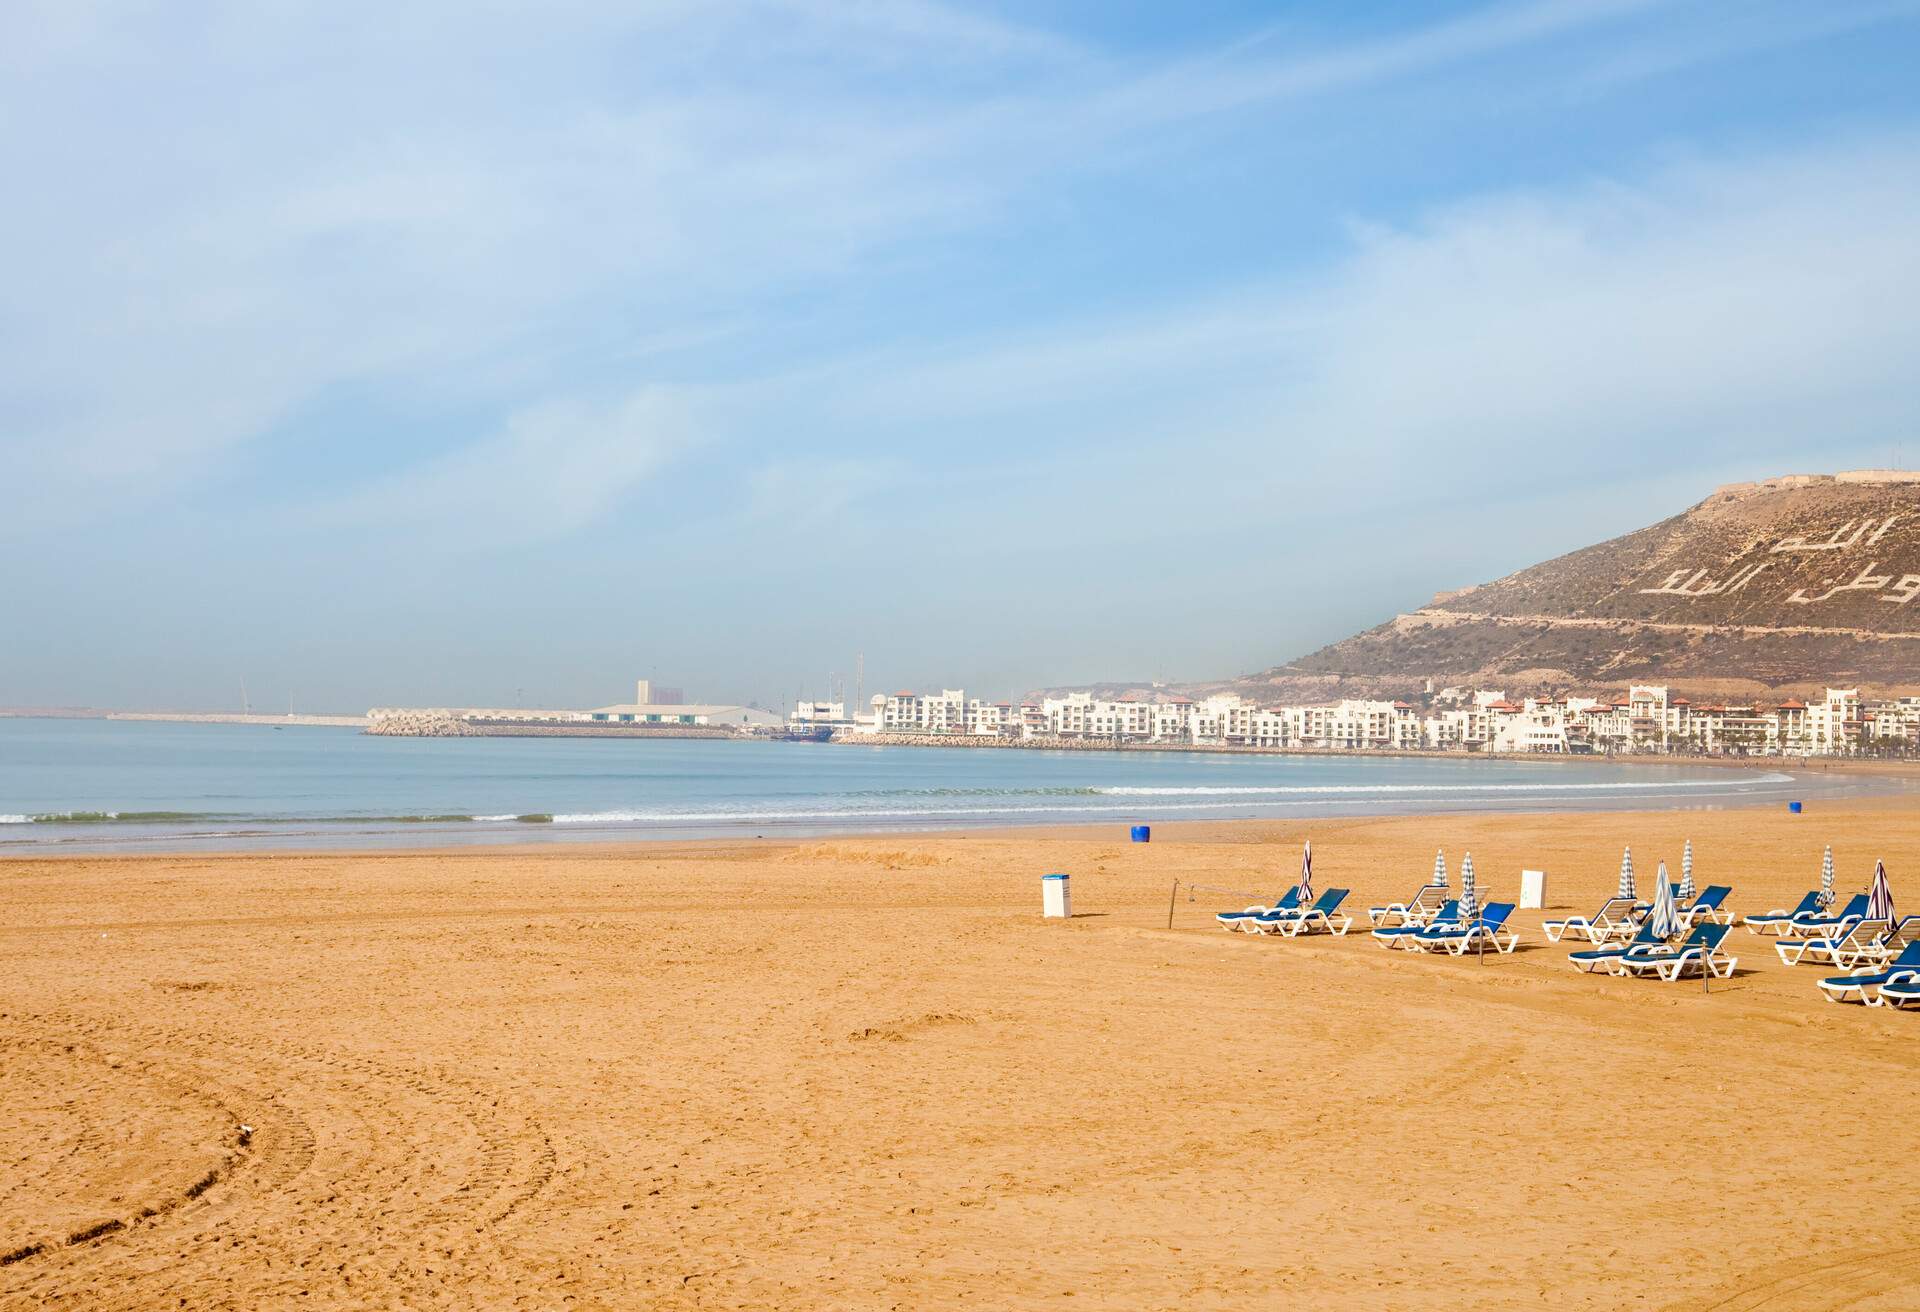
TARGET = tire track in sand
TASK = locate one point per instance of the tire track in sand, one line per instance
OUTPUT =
(1844, 1283)
(362, 1179)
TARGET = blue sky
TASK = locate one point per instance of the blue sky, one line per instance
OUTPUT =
(466, 353)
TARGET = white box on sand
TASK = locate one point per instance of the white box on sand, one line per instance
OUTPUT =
(1533, 888)
(1053, 897)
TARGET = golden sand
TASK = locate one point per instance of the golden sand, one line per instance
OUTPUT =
(866, 1074)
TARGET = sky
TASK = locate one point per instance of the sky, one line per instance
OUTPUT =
(481, 354)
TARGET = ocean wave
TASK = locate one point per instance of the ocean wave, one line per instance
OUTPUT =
(106, 817)
(1322, 790)
(213, 817)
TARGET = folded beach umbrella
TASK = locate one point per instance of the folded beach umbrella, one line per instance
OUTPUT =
(1880, 894)
(1626, 873)
(1469, 903)
(1826, 877)
(1664, 918)
(1440, 866)
(1686, 873)
(1306, 875)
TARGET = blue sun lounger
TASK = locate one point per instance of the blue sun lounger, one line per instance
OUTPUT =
(1396, 936)
(1323, 914)
(1232, 920)
(1853, 941)
(1699, 952)
(1901, 992)
(1860, 988)
(1592, 959)
(1827, 926)
(1710, 905)
(1778, 919)
(1461, 935)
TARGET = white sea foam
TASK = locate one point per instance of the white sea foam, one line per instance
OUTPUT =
(16, 819)
(1323, 790)
(1228, 799)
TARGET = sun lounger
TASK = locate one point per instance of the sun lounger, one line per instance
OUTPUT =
(1902, 991)
(1866, 950)
(1324, 914)
(1827, 926)
(1461, 936)
(1397, 936)
(1710, 905)
(1232, 920)
(1625, 927)
(1612, 910)
(1832, 949)
(1699, 952)
(1861, 988)
(1778, 918)
(1602, 958)
(1416, 912)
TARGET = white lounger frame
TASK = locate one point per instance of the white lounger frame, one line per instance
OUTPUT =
(1793, 951)
(1556, 930)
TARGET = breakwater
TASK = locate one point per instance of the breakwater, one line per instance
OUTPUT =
(437, 723)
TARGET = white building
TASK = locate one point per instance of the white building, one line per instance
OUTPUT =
(1533, 727)
(730, 717)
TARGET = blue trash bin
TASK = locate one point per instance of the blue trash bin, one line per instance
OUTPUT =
(1794, 807)
(1144, 833)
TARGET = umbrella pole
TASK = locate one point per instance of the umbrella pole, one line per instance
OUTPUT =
(1172, 897)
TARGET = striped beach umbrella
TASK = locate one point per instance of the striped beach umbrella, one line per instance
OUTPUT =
(1686, 873)
(1880, 894)
(1826, 877)
(1306, 873)
(1626, 873)
(1440, 867)
(1664, 917)
(1469, 904)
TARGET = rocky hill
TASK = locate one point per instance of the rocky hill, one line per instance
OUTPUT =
(1762, 588)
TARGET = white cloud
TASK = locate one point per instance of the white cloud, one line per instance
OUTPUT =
(549, 470)
(1615, 329)
(221, 219)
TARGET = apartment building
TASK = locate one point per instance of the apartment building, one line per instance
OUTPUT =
(1646, 718)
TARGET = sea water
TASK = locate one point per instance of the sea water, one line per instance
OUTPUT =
(138, 785)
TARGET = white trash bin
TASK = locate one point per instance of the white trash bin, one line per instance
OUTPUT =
(1054, 901)
(1533, 888)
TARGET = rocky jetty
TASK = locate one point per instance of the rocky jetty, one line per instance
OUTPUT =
(399, 723)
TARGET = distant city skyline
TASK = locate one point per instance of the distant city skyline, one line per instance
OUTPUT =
(456, 357)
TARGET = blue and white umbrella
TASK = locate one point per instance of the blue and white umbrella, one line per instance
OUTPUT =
(1626, 873)
(1469, 904)
(1686, 873)
(1306, 874)
(1826, 877)
(1880, 895)
(1440, 867)
(1664, 917)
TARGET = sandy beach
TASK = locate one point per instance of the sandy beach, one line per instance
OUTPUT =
(866, 1074)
